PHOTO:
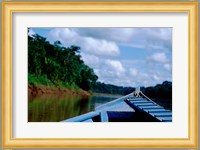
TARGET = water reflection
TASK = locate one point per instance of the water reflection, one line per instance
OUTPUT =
(51, 108)
(99, 100)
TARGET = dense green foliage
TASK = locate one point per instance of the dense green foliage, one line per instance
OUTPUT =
(161, 94)
(163, 91)
(111, 89)
(53, 64)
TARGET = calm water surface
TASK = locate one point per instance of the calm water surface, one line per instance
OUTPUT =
(51, 108)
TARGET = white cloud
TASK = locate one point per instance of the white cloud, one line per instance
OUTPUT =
(154, 39)
(168, 67)
(100, 47)
(158, 57)
(67, 36)
(110, 34)
(133, 72)
(155, 77)
(143, 38)
(91, 60)
(31, 32)
(115, 65)
(158, 38)
(90, 45)
(97, 72)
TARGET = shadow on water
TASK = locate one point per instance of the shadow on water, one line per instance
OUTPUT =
(53, 108)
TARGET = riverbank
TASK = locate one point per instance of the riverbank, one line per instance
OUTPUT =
(37, 90)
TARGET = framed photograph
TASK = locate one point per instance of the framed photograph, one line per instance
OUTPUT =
(100, 74)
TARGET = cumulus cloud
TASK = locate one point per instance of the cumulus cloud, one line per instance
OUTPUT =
(158, 38)
(154, 39)
(158, 57)
(91, 60)
(66, 36)
(168, 67)
(69, 36)
(100, 47)
(133, 72)
(115, 65)
(155, 77)
(110, 34)
(149, 36)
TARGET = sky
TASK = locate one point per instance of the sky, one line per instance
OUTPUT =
(120, 56)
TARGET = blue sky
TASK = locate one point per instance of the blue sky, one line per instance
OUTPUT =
(120, 56)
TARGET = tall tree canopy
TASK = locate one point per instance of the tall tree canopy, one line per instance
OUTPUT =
(58, 63)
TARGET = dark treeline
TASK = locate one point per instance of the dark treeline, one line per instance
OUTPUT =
(161, 94)
(111, 89)
(53, 64)
(162, 91)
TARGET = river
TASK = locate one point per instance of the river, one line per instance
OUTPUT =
(53, 108)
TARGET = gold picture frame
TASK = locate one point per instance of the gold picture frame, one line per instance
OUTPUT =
(8, 8)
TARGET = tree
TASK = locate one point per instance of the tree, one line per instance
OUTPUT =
(87, 78)
(58, 63)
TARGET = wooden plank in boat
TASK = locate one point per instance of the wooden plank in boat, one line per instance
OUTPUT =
(104, 116)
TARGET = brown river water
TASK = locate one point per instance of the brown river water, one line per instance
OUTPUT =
(53, 108)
